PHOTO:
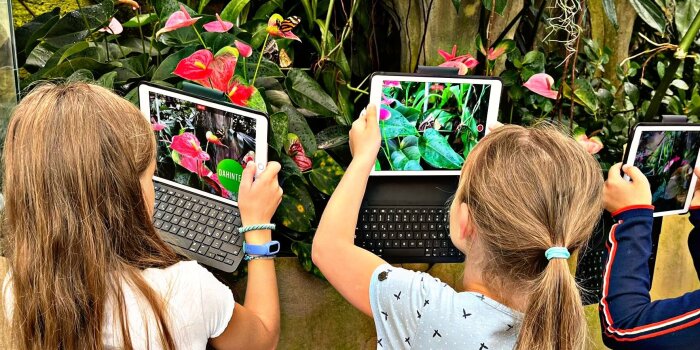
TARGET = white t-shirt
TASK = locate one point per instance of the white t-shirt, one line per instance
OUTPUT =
(199, 307)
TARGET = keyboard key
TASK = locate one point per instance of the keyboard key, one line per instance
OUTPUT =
(209, 231)
(196, 208)
(174, 229)
(211, 222)
(204, 211)
(402, 252)
(182, 232)
(178, 195)
(186, 214)
(219, 225)
(208, 241)
(192, 225)
(159, 215)
(230, 248)
(175, 220)
(221, 216)
(167, 217)
(172, 200)
(158, 223)
(199, 238)
(217, 234)
(203, 219)
(226, 237)
(179, 211)
(228, 228)
(166, 226)
(229, 219)
(170, 208)
(194, 247)
(165, 198)
(188, 205)
(228, 261)
(191, 235)
(216, 244)
(200, 228)
(202, 250)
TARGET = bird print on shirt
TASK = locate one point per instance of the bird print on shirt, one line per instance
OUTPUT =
(408, 341)
(386, 316)
(436, 333)
(465, 314)
(482, 347)
(418, 313)
(426, 302)
(398, 296)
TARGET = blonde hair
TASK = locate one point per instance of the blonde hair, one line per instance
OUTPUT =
(75, 218)
(528, 190)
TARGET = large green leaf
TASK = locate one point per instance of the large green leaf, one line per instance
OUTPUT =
(397, 125)
(299, 126)
(67, 68)
(437, 152)
(407, 156)
(585, 92)
(267, 67)
(290, 214)
(609, 8)
(326, 172)
(38, 58)
(166, 68)
(332, 136)
(233, 9)
(107, 80)
(140, 20)
(180, 37)
(289, 168)
(651, 13)
(76, 25)
(81, 75)
(308, 94)
(217, 41)
(27, 36)
(279, 123)
(410, 113)
(141, 46)
(295, 187)
(685, 13)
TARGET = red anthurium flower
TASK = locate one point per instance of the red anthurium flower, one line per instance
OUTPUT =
(296, 151)
(239, 94)
(303, 162)
(463, 69)
(179, 19)
(114, 27)
(249, 157)
(157, 126)
(384, 114)
(244, 49)
(218, 26)
(592, 145)
(274, 29)
(187, 145)
(541, 84)
(222, 69)
(448, 56)
(214, 139)
(196, 66)
(192, 164)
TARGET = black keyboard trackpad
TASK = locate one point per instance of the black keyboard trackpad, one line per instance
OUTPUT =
(410, 190)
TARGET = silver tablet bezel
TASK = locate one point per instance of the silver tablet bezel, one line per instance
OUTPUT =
(634, 146)
(260, 133)
(491, 116)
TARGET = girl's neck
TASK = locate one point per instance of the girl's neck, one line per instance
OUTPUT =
(513, 298)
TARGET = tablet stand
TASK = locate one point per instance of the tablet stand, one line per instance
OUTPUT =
(206, 92)
(432, 70)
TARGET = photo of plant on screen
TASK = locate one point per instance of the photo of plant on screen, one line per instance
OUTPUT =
(192, 140)
(430, 126)
(667, 159)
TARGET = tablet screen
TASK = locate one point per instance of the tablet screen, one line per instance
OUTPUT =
(432, 125)
(201, 146)
(667, 158)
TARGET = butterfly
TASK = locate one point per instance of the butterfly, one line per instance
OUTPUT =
(273, 53)
(288, 24)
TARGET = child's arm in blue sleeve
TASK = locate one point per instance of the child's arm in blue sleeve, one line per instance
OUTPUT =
(629, 319)
(694, 238)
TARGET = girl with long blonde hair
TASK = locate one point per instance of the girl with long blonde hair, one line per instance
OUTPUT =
(527, 199)
(87, 268)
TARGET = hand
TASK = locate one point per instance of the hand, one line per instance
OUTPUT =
(258, 199)
(696, 196)
(365, 138)
(619, 193)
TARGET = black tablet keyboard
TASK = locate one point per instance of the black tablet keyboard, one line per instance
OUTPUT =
(407, 234)
(204, 229)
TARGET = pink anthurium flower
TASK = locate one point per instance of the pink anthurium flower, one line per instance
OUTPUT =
(244, 49)
(192, 164)
(541, 84)
(592, 145)
(463, 69)
(218, 26)
(179, 19)
(437, 87)
(239, 94)
(114, 27)
(384, 114)
(196, 66)
(467, 59)
(157, 126)
(214, 139)
(296, 151)
(391, 84)
(274, 29)
(387, 100)
(187, 145)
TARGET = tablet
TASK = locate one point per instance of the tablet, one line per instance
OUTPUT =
(667, 155)
(430, 123)
(203, 144)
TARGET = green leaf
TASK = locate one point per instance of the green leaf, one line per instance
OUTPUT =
(456, 4)
(585, 93)
(141, 46)
(27, 36)
(279, 123)
(605, 97)
(308, 94)
(326, 172)
(257, 102)
(618, 124)
(651, 13)
(140, 20)
(67, 68)
(166, 68)
(107, 80)
(299, 126)
(267, 67)
(632, 92)
(81, 75)
(500, 5)
(180, 37)
(685, 13)
(233, 9)
(609, 8)
(397, 125)
(291, 214)
(217, 41)
(407, 156)
(332, 136)
(398, 160)
(202, 5)
(75, 48)
(437, 152)
(76, 25)
(680, 84)
(289, 168)
(410, 113)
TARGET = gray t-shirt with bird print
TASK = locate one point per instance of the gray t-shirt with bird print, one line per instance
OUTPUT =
(415, 310)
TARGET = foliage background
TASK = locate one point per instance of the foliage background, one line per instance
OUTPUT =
(607, 59)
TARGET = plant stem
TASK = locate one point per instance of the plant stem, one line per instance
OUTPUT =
(106, 47)
(255, 76)
(200, 37)
(670, 74)
(119, 46)
(245, 71)
(364, 92)
(138, 19)
(324, 34)
(82, 14)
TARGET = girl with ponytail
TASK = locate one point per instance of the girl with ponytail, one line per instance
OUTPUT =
(527, 199)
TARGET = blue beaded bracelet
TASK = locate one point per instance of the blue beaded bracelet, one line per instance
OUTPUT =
(245, 229)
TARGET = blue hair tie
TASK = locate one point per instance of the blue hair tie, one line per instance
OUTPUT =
(557, 253)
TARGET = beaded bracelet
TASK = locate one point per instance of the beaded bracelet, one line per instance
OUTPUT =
(256, 257)
(245, 229)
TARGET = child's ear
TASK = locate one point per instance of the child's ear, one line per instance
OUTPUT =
(466, 226)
